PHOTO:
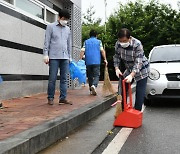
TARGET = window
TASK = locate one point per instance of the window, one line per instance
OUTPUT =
(33, 9)
(165, 54)
(9, 1)
(50, 17)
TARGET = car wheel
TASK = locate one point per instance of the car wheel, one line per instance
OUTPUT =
(147, 101)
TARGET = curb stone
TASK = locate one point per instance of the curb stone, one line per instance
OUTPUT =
(41, 136)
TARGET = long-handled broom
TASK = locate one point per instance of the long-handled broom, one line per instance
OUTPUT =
(108, 88)
(107, 85)
(119, 99)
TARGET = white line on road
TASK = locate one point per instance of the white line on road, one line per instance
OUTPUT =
(117, 143)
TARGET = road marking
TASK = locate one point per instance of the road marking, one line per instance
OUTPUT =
(117, 143)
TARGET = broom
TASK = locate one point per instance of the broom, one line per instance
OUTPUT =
(119, 99)
(107, 87)
(118, 106)
(118, 103)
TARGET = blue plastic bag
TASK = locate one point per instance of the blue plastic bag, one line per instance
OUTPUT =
(75, 72)
(82, 67)
(1, 80)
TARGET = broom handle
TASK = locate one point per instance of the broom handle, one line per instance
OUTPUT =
(124, 95)
(130, 95)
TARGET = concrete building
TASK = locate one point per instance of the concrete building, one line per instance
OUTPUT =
(22, 31)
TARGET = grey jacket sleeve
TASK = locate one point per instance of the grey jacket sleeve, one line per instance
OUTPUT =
(47, 40)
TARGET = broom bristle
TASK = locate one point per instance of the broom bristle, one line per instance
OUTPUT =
(118, 106)
(107, 85)
(109, 89)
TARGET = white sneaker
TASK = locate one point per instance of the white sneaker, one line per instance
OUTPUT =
(90, 92)
(93, 89)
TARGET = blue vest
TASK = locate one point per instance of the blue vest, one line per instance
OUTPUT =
(92, 51)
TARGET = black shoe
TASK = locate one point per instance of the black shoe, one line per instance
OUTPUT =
(64, 101)
(50, 102)
(1, 106)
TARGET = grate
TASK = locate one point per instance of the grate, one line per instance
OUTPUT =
(173, 77)
(75, 26)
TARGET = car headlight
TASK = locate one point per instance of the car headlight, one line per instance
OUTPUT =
(154, 74)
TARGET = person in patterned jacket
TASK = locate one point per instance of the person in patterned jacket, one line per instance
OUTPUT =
(129, 50)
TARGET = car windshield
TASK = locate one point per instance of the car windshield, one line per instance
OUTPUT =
(165, 54)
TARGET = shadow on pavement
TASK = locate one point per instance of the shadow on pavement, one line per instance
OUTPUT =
(165, 103)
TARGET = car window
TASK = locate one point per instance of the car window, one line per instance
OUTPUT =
(166, 54)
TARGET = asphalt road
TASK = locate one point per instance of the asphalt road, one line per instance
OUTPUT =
(85, 139)
(159, 134)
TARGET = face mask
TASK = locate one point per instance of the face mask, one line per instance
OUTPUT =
(63, 22)
(124, 45)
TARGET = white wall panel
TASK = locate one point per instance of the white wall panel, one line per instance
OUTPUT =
(10, 61)
(10, 28)
(32, 63)
(31, 87)
(32, 35)
(11, 89)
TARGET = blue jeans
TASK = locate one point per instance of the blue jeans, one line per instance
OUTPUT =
(93, 73)
(140, 93)
(54, 65)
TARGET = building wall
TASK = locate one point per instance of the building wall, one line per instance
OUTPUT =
(21, 44)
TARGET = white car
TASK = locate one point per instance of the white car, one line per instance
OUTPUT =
(164, 76)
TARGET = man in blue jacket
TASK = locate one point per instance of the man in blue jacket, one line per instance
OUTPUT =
(92, 49)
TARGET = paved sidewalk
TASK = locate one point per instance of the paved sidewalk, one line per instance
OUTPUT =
(29, 124)
(23, 113)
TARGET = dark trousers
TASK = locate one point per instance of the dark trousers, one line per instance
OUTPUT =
(140, 93)
(93, 73)
(54, 65)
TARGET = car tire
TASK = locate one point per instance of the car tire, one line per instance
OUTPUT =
(147, 101)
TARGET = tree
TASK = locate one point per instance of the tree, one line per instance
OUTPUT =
(88, 18)
(152, 23)
(90, 22)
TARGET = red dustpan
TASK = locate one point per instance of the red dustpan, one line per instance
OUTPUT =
(129, 117)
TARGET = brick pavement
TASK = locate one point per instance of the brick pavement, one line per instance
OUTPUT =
(21, 114)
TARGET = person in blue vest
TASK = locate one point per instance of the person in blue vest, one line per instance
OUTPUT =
(93, 49)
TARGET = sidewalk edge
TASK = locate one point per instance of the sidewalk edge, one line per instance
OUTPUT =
(41, 136)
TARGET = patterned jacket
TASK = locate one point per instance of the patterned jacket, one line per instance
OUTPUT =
(134, 59)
